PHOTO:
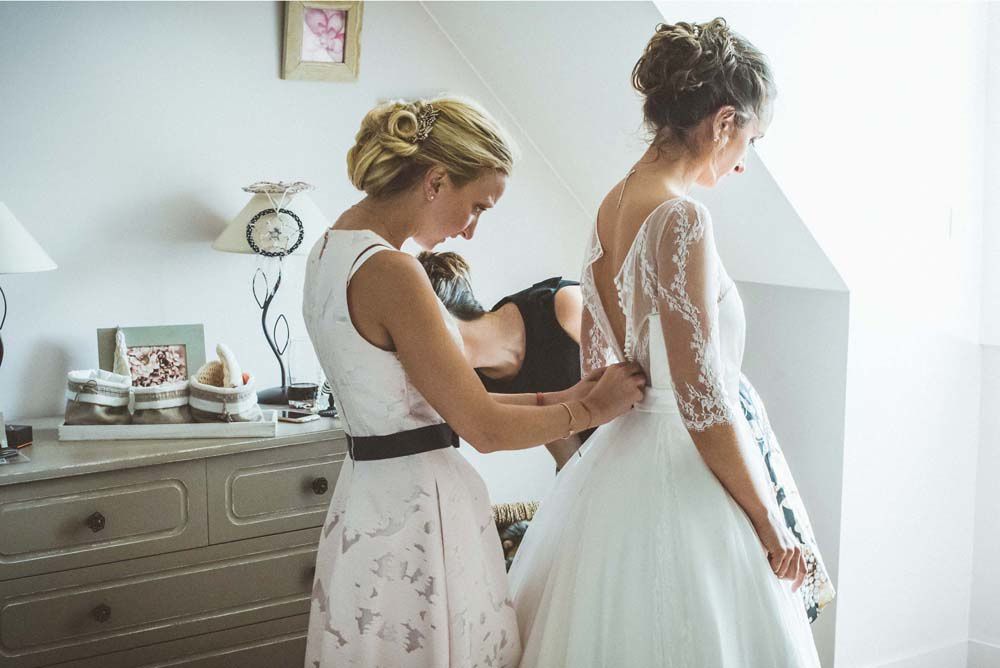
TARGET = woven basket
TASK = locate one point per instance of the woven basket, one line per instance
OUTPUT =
(505, 514)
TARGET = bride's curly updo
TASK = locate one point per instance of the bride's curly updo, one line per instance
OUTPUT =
(398, 141)
(690, 70)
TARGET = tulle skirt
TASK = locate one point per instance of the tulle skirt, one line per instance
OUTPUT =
(639, 557)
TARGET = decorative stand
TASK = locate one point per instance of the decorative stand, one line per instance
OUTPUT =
(3, 319)
(272, 395)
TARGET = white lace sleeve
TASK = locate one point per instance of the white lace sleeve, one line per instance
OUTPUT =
(596, 349)
(593, 349)
(687, 293)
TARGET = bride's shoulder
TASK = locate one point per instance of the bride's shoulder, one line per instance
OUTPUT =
(680, 221)
(684, 207)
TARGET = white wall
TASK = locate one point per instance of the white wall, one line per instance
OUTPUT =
(984, 625)
(877, 142)
(896, 198)
(786, 330)
(877, 166)
(984, 622)
(127, 132)
(991, 228)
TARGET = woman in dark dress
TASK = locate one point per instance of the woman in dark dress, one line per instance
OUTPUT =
(528, 342)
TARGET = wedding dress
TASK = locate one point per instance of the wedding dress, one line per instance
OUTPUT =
(639, 557)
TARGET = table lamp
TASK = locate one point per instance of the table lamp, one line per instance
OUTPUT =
(19, 254)
(273, 224)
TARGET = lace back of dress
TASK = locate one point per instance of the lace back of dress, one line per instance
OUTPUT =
(668, 280)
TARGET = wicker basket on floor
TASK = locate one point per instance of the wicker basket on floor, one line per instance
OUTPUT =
(512, 521)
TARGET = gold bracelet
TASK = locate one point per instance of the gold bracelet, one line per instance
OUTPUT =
(570, 412)
(590, 416)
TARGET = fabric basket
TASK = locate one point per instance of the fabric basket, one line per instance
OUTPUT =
(161, 404)
(224, 404)
(94, 396)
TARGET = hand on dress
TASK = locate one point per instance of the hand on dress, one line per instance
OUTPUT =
(783, 551)
(580, 391)
(616, 389)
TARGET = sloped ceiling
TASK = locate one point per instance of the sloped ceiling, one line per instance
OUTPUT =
(562, 70)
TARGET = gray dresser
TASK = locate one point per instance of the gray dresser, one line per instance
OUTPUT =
(192, 553)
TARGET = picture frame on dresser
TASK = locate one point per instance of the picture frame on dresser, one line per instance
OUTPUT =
(156, 354)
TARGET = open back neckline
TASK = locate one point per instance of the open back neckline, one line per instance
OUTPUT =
(616, 278)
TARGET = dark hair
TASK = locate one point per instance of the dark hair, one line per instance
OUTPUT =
(449, 274)
(689, 70)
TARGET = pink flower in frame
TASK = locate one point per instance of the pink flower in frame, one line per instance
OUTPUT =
(323, 35)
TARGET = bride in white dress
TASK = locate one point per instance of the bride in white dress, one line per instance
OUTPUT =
(662, 545)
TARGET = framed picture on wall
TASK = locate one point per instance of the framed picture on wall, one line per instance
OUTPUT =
(156, 355)
(322, 41)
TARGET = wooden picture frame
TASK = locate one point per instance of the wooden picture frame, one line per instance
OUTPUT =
(322, 41)
(190, 338)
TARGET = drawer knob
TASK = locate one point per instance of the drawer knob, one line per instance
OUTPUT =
(101, 613)
(96, 522)
(320, 486)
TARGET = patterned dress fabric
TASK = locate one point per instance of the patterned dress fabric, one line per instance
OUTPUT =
(817, 590)
(639, 556)
(409, 571)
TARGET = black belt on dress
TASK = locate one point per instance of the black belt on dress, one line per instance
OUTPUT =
(401, 444)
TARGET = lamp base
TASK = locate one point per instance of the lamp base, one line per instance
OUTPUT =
(273, 395)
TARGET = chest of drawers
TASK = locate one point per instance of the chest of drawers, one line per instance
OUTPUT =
(163, 553)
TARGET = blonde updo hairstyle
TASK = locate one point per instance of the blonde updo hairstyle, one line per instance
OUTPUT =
(389, 156)
(690, 70)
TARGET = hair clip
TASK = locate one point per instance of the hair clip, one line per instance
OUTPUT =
(425, 122)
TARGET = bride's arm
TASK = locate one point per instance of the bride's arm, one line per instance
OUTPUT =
(687, 292)
(391, 293)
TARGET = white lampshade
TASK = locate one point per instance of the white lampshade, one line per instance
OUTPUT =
(234, 238)
(19, 252)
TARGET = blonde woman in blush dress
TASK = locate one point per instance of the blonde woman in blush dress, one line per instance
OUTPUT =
(663, 545)
(409, 570)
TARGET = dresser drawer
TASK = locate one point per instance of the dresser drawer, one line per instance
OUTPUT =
(270, 491)
(279, 643)
(54, 525)
(114, 607)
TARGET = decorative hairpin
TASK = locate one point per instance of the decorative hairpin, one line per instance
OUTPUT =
(425, 121)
